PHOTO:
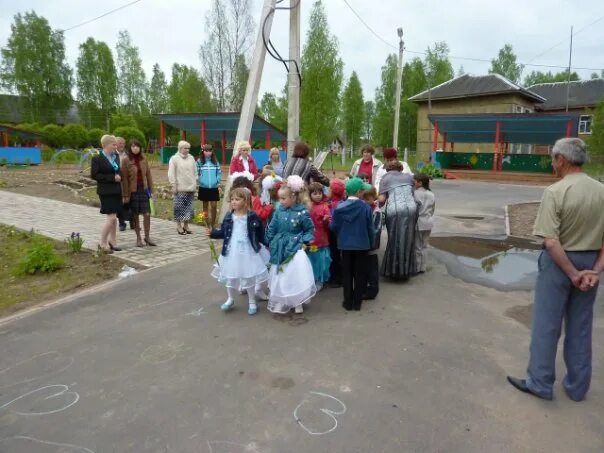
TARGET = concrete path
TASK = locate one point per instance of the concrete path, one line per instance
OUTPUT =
(57, 219)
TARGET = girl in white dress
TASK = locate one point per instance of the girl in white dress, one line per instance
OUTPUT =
(240, 264)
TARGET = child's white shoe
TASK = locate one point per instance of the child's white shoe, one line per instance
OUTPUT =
(252, 310)
(227, 305)
(299, 309)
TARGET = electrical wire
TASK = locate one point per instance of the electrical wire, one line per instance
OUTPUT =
(481, 60)
(99, 17)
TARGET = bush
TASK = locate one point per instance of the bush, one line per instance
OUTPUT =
(432, 171)
(67, 156)
(55, 136)
(76, 136)
(47, 152)
(129, 133)
(119, 120)
(41, 256)
(94, 137)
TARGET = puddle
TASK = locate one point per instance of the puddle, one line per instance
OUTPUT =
(507, 265)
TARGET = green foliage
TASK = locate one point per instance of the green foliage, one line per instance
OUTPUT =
(505, 64)
(536, 77)
(40, 256)
(55, 136)
(238, 82)
(274, 109)
(130, 133)
(76, 136)
(432, 171)
(30, 127)
(96, 82)
(122, 119)
(47, 153)
(188, 92)
(148, 125)
(132, 85)
(34, 66)
(596, 140)
(74, 242)
(438, 67)
(321, 70)
(157, 98)
(94, 137)
(368, 121)
(67, 156)
(353, 111)
(383, 120)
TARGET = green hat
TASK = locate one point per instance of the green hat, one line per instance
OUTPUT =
(366, 186)
(353, 185)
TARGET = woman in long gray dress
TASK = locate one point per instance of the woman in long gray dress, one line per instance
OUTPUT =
(396, 190)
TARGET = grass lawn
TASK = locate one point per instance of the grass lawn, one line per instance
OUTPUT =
(80, 270)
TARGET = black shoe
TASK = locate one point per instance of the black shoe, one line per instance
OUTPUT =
(114, 248)
(347, 307)
(122, 227)
(357, 308)
(520, 384)
(368, 297)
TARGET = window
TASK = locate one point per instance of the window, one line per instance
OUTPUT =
(585, 124)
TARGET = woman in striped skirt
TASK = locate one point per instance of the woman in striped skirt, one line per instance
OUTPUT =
(182, 174)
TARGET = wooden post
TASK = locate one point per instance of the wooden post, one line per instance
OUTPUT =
(569, 126)
(223, 147)
(203, 132)
(183, 134)
(435, 139)
(162, 134)
(267, 139)
(5, 139)
(452, 146)
(496, 146)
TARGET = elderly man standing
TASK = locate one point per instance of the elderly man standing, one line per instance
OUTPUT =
(571, 223)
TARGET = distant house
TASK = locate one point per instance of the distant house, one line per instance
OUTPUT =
(490, 93)
(583, 96)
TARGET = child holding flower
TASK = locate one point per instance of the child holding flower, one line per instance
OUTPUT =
(318, 252)
(240, 264)
(290, 231)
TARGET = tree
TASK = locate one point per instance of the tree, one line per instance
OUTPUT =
(238, 83)
(368, 120)
(353, 110)
(385, 95)
(188, 92)
(230, 30)
(438, 67)
(33, 66)
(76, 136)
(129, 133)
(158, 98)
(132, 82)
(121, 119)
(505, 64)
(536, 77)
(96, 82)
(321, 70)
(274, 110)
(596, 140)
(414, 82)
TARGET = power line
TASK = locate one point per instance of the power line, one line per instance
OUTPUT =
(99, 17)
(480, 60)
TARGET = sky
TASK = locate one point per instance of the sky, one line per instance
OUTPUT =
(168, 32)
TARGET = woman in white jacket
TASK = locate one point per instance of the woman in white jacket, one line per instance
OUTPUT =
(182, 174)
(368, 165)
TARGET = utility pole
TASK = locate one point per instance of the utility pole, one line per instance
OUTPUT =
(293, 83)
(399, 80)
(570, 58)
(250, 100)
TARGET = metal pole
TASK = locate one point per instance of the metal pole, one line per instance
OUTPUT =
(570, 57)
(253, 86)
(399, 79)
(293, 78)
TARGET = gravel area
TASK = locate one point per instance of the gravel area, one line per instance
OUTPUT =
(522, 217)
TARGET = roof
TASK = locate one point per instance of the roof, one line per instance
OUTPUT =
(531, 128)
(582, 93)
(217, 122)
(473, 86)
(20, 132)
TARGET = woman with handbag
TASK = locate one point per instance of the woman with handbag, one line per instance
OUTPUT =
(182, 174)
(105, 170)
(137, 184)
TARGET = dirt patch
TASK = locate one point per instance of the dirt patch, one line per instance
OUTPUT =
(521, 313)
(81, 270)
(522, 218)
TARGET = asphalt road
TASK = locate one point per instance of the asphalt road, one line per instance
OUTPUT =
(150, 364)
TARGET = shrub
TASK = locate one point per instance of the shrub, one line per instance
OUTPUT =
(76, 136)
(129, 133)
(432, 171)
(67, 156)
(41, 256)
(119, 120)
(55, 136)
(94, 137)
(47, 152)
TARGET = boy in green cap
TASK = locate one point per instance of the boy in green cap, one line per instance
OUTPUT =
(353, 227)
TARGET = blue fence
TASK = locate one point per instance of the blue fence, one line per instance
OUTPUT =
(27, 156)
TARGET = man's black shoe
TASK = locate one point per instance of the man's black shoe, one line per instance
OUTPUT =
(520, 384)
(122, 227)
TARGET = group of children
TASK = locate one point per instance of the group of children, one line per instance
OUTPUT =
(288, 242)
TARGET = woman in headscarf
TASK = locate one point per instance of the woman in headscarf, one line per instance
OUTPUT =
(396, 190)
(299, 165)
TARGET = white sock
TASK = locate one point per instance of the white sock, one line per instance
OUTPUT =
(251, 295)
(231, 292)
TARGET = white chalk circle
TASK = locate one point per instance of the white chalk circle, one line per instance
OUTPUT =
(310, 406)
(43, 401)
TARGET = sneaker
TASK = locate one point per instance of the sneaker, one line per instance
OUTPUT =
(227, 305)
(252, 310)
(299, 309)
(261, 295)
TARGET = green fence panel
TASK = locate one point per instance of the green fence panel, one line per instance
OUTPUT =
(530, 163)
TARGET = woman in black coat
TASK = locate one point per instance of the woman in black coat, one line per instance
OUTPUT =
(105, 170)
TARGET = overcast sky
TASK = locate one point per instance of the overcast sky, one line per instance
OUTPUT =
(172, 31)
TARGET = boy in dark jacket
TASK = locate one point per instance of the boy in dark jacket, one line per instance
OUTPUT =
(352, 224)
